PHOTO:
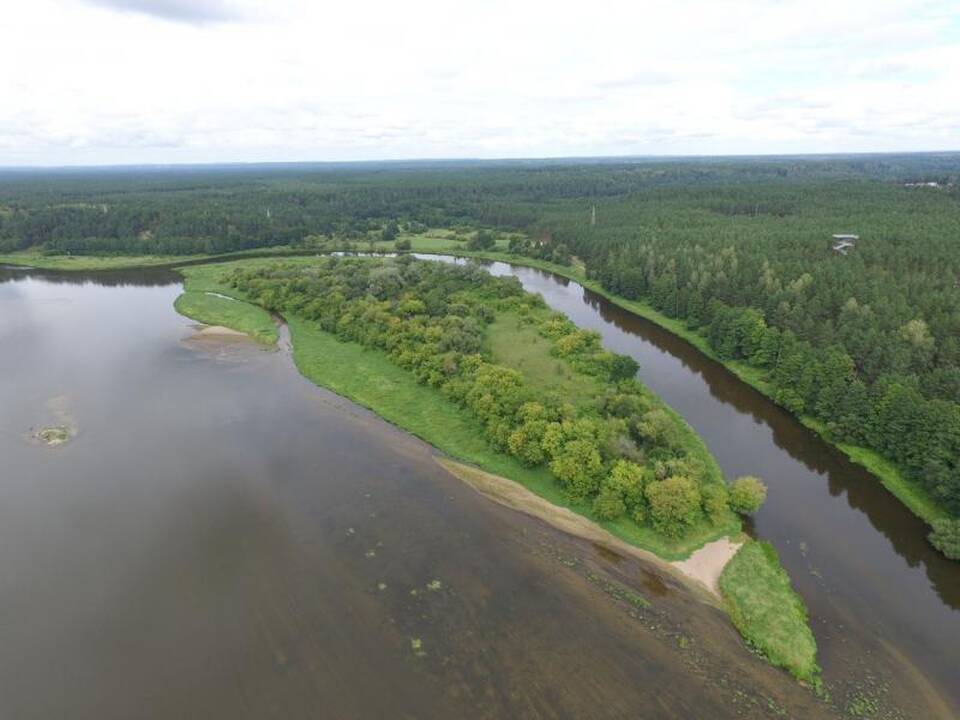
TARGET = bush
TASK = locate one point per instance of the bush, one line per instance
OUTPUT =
(946, 537)
(578, 467)
(715, 501)
(483, 240)
(747, 494)
(402, 245)
(674, 504)
(608, 505)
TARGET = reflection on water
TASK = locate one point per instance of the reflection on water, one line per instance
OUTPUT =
(223, 539)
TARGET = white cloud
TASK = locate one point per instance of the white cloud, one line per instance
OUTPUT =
(189, 11)
(178, 81)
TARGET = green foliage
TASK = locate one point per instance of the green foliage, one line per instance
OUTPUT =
(674, 504)
(945, 537)
(716, 502)
(767, 611)
(235, 314)
(747, 494)
(482, 240)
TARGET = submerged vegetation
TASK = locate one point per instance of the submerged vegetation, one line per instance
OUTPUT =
(235, 314)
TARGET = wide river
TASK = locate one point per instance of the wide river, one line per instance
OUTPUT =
(223, 539)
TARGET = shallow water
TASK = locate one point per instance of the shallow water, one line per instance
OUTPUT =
(223, 539)
(878, 594)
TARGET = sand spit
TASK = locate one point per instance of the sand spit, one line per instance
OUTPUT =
(706, 564)
(701, 570)
(219, 331)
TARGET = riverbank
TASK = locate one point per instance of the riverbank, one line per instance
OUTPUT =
(216, 310)
(701, 570)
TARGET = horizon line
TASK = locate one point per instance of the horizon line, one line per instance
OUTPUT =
(467, 159)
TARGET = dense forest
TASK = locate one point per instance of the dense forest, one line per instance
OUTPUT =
(867, 342)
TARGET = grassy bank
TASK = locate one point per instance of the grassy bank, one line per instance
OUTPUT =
(234, 314)
(767, 611)
(91, 262)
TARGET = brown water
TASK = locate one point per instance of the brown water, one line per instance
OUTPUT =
(879, 595)
(222, 539)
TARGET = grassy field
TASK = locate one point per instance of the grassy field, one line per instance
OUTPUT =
(91, 262)
(519, 346)
(234, 314)
(767, 611)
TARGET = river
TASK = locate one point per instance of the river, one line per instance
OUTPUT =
(223, 539)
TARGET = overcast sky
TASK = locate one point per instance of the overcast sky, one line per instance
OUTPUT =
(157, 81)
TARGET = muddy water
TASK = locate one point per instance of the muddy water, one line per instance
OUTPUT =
(220, 538)
(879, 596)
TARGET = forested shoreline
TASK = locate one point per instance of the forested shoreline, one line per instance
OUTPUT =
(867, 343)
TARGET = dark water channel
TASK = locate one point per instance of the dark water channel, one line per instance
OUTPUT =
(223, 539)
(875, 588)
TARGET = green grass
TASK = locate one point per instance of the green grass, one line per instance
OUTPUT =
(519, 346)
(768, 612)
(234, 314)
(91, 262)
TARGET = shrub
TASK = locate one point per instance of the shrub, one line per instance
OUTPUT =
(578, 467)
(609, 505)
(483, 240)
(626, 482)
(747, 494)
(715, 501)
(674, 504)
(946, 537)
(402, 245)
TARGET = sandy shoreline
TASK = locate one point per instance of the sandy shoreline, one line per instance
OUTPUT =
(219, 330)
(700, 571)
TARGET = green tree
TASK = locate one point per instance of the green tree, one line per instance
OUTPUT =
(715, 501)
(579, 468)
(747, 494)
(674, 504)
(945, 537)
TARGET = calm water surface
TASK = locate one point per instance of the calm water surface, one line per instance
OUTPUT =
(876, 590)
(222, 539)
